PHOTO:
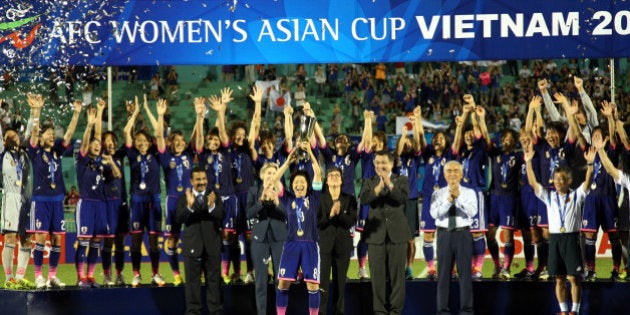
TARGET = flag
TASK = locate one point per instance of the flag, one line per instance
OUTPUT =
(277, 101)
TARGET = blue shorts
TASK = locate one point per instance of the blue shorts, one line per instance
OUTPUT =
(231, 211)
(117, 216)
(543, 220)
(427, 222)
(296, 254)
(171, 227)
(91, 217)
(242, 224)
(480, 220)
(528, 213)
(146, 214)
(47, 217)
(364, 211)
(503, 211)
(599, 211)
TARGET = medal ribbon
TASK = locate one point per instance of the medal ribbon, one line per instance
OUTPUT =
(239, 160)
(504, 169)
(144, 168)
(437, 169)
(51, 168)
(338, 162)
(180, 172)
(552, 166)
(596, 166)
(18, 167)
(562, 208)
(299, 203)
(466, 165)
(215, 166)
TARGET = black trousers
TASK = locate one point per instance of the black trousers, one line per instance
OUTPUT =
(260, 257)
(455, 245)
(388, 259)
(211, 266)
(335, 256)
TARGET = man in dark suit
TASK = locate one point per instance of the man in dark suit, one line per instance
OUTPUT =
(269, 229)
(387, 233)
(202, 213)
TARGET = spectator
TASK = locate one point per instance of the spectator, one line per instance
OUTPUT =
(72, 197)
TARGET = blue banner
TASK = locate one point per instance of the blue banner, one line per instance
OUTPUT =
(153, 32)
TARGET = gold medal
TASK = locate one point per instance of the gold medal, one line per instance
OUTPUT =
(436, 187)
(217, 186)
(114, 188)
(594, 186)
(180, 188)
(466, 179)
(300, 232)
(551, 182)
(12, 163)
(239, 180)
(562, 229)
(143, 185)
(504, 185)
(53, 185)
(18, 183)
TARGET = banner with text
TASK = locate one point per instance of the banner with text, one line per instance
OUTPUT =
(153, 32)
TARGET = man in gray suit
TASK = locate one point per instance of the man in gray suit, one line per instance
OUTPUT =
(269, 228)
(387, 233)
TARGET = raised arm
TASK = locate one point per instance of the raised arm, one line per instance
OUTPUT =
(147, 110)
(589, 108)
(100, 108)
(254, 129)
(217, 105)
(317, 130)
(607, 111)
(575, 132)
(529, 120)
(481, 114)
(283, 169)
(401, 142)
(288, 127)
(200, 111)
(72, 126)
(551, 108)
(317, 170)
(130, 122)
(621, 131)
(91, 120)
(158, 128)
(599, 145)
(589, 156)
(366, 137)
(35, 102)
(461, 120)
(226, 98)
(418, 129)
(528, 154)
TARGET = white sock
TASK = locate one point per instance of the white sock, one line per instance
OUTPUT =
(564, 307)
(24, 255)
(7, 260)
(575, 307)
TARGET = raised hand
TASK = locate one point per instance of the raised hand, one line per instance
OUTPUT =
(200, 105)
(101, 104)
(597, 141)
(542, 84)
(161, 106)
(216, 104)
(257, 94)
(589, 155)
(190, 198)
(212, 197)
(77, 106)
(480, 111)
(579, 83)
(91, 116)
(560, 99)
(607, 109)
(226, 95)
(528, 153)
(469, 100)
(288, 110)
(35, 101)
(573, 109)
(536, 102)
(417, 111)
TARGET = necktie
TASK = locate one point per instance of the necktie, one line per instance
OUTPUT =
(200, 199)
(452, 216)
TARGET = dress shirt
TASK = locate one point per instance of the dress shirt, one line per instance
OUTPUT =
(466, 205)
(197, 194)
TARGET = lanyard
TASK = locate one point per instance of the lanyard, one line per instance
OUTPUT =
(562, 209)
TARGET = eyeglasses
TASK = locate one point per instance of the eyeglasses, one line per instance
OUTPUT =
(334, 175)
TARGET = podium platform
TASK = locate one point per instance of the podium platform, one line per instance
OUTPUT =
(490, 297)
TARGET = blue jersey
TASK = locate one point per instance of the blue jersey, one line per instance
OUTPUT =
(346, 163)
(47, 173)
(145, 172)
(474, 163)
(535, 166)
(434, 170)
(407, 165)
(91, 174)
(302, 216)
(177, 171)
(506, 168)
(243, 172)
(277, 158)
(550, 158)
(218, 169)
(304, 164)
(602, 184)
(115, 188)
(367, 164)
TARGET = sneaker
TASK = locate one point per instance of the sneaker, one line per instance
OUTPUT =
(497, 273)
(120, 280)
(504, 274)
(177, 280)
(12, 285)
(83, 283)
(55, 283)
(236, 279)
(26, 284)
(136, 281)
(432, 275)
(249, 278)
(543, 275)
(477, 276)
(40, 283)
(363, 274)
(623, 274)
(615, 276)
(158, 280)
(408, 274)
(226, 279)
(524, 275)
(590, 276)
(107, 281)
(92, 282)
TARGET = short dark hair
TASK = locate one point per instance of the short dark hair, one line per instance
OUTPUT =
(386, 153)
(565, 170)
(303, 173)
(197, 169)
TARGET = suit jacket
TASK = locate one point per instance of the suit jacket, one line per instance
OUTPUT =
(387, 217)
(265, 217)
(341, 223)
(203, 229)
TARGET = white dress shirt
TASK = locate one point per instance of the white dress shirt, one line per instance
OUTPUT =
(197, 194)
(466, 205)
